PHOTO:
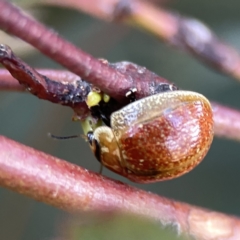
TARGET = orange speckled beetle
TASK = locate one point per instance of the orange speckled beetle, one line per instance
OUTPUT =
(156, 138)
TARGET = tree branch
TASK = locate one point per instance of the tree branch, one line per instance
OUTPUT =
(14, 21)
(184, 33)
(68, 89)
(70, 187)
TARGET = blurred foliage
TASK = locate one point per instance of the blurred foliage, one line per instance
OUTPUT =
(117, 227)
(28, 120)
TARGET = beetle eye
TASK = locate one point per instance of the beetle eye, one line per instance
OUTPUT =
(94, 145)
(90, 137)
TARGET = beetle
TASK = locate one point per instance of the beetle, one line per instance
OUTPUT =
(156, 138)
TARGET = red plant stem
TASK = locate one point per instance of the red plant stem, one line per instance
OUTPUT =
(8, 82)
(13, 21)
(70, 92)
(70, 187)
(181, 32)
(226, 121)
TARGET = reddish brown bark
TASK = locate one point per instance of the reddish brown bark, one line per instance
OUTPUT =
(70, 187)
(15, 22)
(226, 120)
(187, 34)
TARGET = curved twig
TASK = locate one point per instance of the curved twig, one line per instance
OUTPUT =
(15, 22)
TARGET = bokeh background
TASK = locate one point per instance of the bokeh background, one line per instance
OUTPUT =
(214, 184)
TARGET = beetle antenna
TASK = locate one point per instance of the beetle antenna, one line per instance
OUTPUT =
(73, 136)
(63, 137)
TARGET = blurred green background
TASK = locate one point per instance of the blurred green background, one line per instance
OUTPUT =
(24, 118)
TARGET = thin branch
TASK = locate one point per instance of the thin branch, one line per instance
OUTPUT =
(73, 93)
(8, 83)
(70, 93)
(226, 121)
(188, 34)
(14, 21)
(98, 72)
(68, 89)
(70, 187)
